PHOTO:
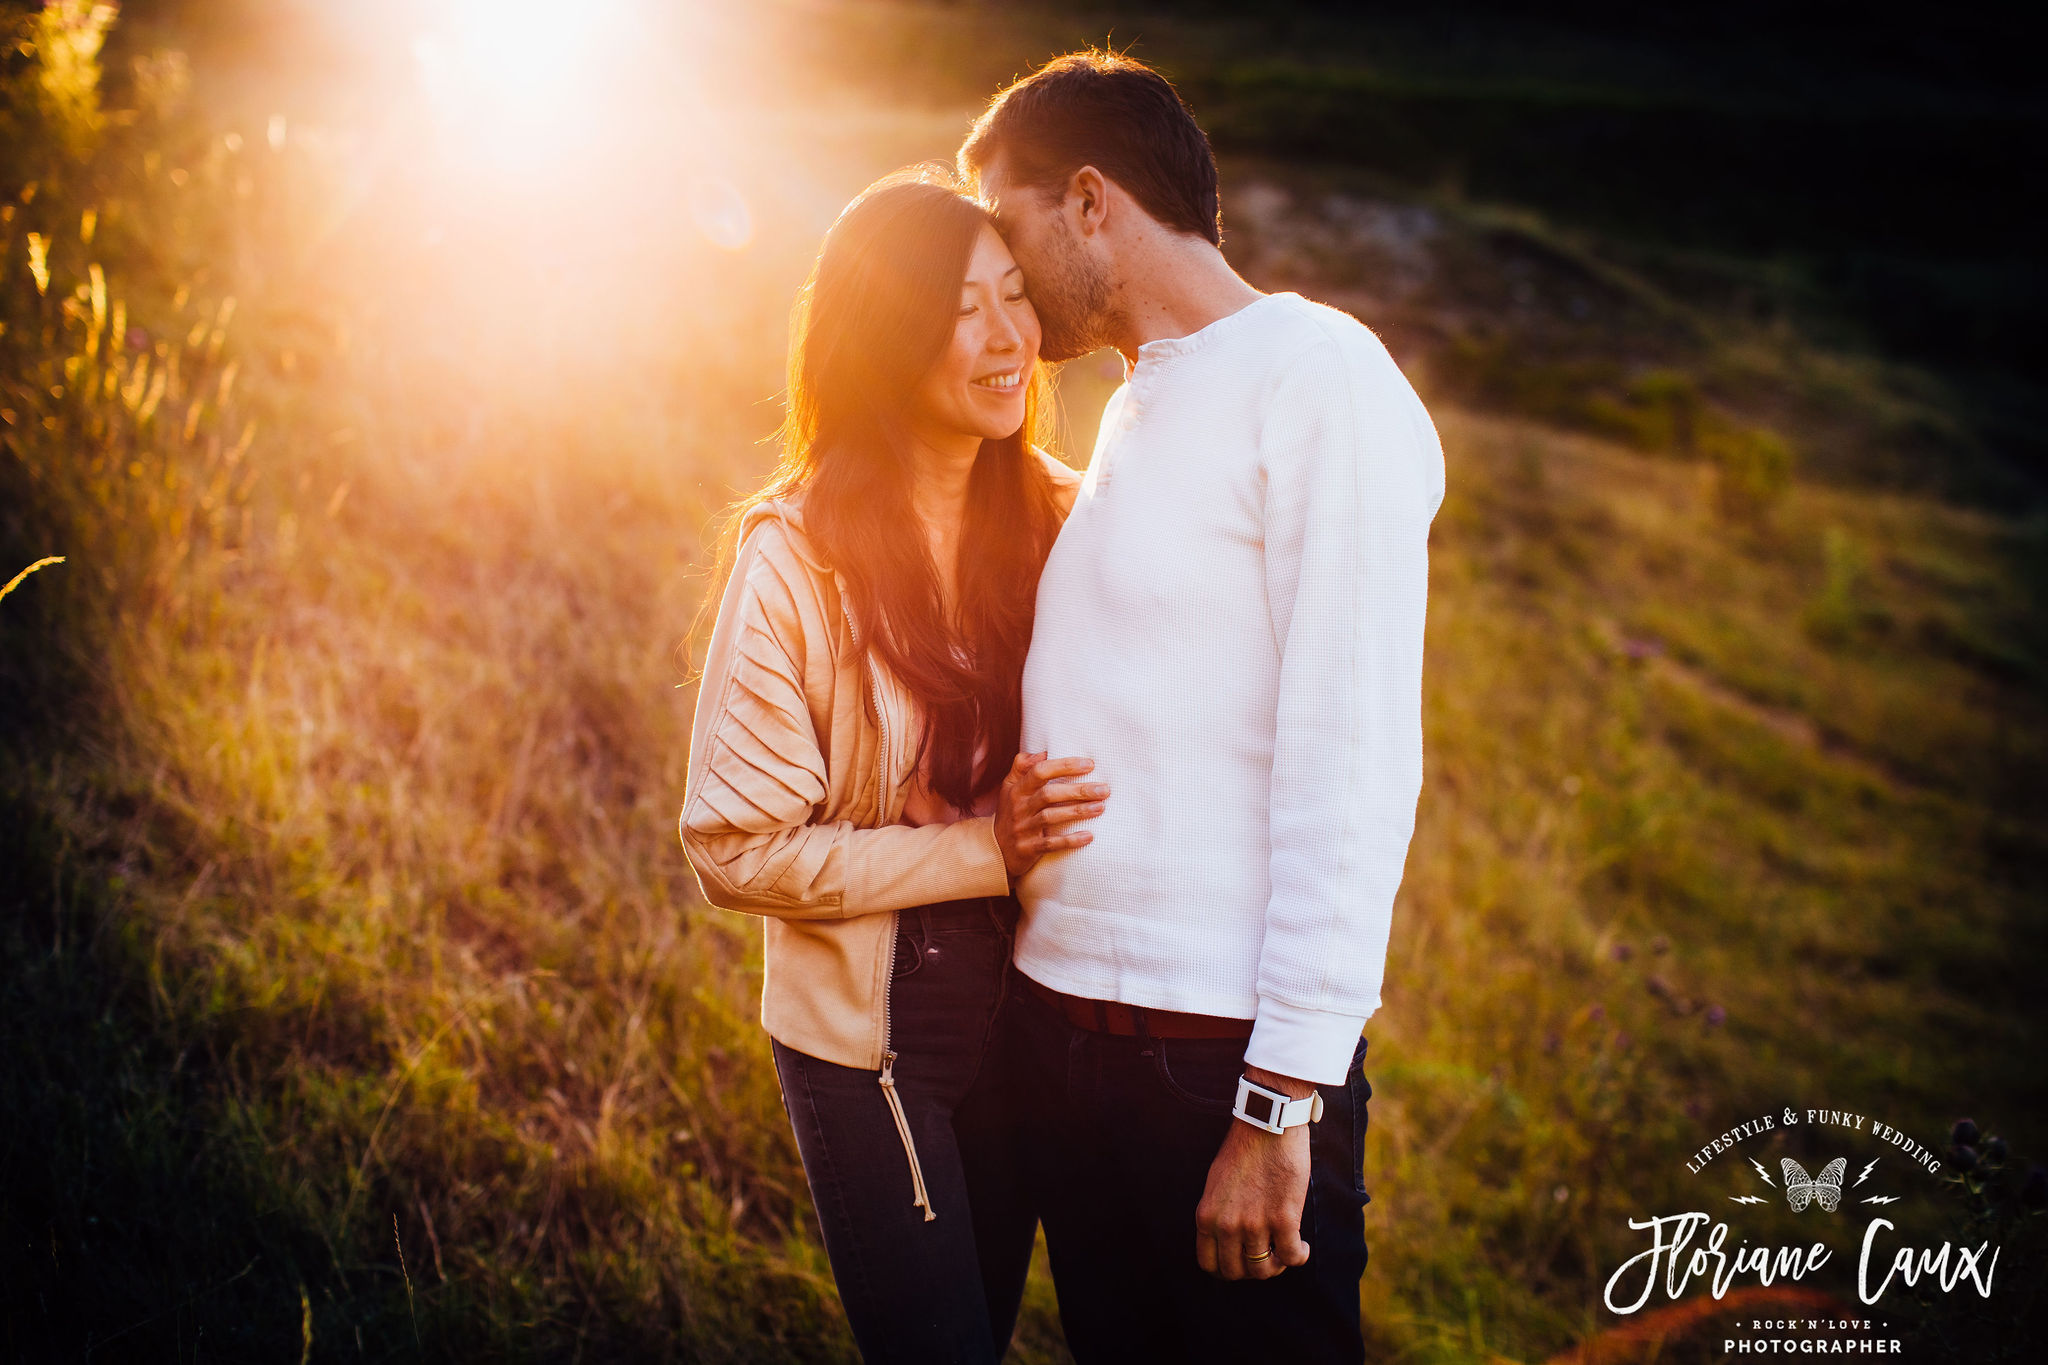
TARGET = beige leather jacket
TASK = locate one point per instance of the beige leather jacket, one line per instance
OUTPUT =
(801, 755)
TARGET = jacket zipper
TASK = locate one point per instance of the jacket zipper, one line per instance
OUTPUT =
(881, 812)
(918, 1193)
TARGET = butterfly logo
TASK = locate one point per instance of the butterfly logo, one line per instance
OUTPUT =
(1825, 1188)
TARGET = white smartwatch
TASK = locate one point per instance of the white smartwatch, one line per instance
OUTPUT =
(1272, 1112)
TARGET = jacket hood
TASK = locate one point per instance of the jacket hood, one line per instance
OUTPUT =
(788, 512)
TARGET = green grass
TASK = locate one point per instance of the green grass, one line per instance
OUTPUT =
(355, 999)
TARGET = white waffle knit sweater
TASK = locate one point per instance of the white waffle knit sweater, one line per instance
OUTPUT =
(1231, 625)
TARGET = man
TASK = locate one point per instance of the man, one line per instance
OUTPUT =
(1231, 626)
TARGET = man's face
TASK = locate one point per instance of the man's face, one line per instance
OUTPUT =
(1070, 286)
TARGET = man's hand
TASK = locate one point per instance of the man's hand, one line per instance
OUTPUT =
(1257, 1186)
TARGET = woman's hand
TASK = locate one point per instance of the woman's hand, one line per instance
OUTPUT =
(1035, 809)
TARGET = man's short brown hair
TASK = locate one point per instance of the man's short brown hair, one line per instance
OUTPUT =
(1104, 110)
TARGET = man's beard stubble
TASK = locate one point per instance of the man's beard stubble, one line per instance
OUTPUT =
(1072, 299)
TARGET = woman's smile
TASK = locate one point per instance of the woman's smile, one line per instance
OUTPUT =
(1002, 380)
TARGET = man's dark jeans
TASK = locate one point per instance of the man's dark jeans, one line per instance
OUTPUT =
(1119, 1134)
(915, 1290)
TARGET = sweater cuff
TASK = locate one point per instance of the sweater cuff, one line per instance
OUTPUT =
(1309, 1045)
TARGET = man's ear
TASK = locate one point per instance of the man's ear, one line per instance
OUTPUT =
(1088, 193)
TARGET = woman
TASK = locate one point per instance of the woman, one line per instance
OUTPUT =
(851, 766)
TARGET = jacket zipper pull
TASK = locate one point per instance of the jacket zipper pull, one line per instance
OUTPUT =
(918, 1195)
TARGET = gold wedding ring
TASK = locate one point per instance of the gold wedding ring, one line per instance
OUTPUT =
(1262, 1255)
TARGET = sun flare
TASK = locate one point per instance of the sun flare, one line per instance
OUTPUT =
(523, 78)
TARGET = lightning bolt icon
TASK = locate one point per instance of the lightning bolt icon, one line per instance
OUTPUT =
(1882, 1199)
(1750, 1199)
(1866, 1174)
(1762, 1172)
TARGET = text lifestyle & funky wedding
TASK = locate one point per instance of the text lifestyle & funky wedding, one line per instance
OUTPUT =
(1834, 1118)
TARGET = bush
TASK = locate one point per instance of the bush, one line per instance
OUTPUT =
(1752, 471)
(1837, 612)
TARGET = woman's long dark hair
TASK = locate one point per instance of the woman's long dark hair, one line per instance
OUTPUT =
(877, 312)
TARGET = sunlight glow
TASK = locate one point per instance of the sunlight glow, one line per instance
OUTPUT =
(721, 213)
(522, 80)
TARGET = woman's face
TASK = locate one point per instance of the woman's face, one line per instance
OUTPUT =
(977, 386)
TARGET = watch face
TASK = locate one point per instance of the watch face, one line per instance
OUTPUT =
(1264, 1108)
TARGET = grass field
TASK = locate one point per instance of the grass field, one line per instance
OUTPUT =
(355, 997)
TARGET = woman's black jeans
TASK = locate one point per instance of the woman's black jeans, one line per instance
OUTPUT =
(918, 1289)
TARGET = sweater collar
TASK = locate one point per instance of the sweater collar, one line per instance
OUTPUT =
(1168, 348)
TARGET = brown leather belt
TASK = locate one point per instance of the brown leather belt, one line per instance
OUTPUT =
(1133, 1021)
